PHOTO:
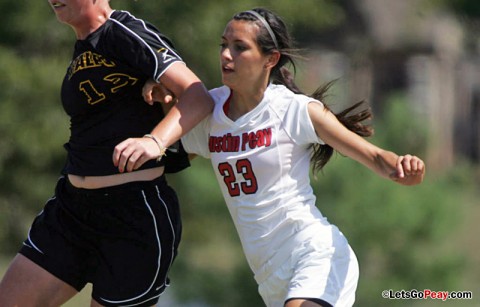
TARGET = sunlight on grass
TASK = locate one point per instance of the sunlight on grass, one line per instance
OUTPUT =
(82, 299)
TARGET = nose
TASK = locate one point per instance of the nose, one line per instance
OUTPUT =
(225, 53)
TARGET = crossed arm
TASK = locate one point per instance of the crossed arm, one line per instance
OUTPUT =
(194, 104)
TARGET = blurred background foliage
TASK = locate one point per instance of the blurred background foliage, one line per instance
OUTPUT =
(422, 237)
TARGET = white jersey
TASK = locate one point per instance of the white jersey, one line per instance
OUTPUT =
(262, 163)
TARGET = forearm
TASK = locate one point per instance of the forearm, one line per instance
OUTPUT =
(384, 163)
(193, 105)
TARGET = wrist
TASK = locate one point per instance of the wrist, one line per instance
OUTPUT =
(162, 149)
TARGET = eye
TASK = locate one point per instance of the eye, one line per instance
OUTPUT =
(240, 47)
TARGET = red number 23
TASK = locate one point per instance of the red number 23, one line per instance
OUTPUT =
(242, 167)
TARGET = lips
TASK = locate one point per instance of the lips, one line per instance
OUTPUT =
(227, 69)
(56, 4)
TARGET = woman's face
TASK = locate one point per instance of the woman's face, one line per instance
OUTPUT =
(84, 16)
(71, 12)
(65, 10)
(242, 62)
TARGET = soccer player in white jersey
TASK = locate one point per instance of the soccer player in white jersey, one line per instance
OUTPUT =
(260, 138)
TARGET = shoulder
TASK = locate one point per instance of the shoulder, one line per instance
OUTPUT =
(281, 93)
(126, 31)
(292, 111)
(285, 101)
(126, 19)
(123, 28)
(128, 26)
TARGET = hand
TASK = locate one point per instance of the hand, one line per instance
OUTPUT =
(156, 92)
(409, 170)
(132, 153)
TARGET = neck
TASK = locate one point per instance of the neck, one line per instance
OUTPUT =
(92, 19)
(242, 102)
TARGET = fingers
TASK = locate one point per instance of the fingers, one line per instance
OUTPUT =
(407, 166)
(413, 165)
(162, 94)
(124, 157)
(147, 91)
(399, 167)
(153, 91)
(117, 152)
(132, 153)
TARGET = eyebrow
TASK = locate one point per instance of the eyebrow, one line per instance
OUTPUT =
(235, 40)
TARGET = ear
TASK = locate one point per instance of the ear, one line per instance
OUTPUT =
(272, 59)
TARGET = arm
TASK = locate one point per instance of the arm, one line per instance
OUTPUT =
(194, 104)
(406, 170)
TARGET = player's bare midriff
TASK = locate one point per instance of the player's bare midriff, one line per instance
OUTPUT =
(96, 182)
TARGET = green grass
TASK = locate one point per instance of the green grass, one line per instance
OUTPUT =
(80, 300)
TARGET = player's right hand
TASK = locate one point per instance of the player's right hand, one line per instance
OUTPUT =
(153, 91)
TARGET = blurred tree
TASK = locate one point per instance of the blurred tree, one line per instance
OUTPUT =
(394, 230)
(196, 26)
(33, 128)
(32, 29)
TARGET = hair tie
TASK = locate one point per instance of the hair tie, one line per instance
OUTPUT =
(267, 26)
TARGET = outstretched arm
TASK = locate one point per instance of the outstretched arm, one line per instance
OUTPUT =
(406, 170)
(194, 104)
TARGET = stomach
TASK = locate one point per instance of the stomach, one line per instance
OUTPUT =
(97, 182)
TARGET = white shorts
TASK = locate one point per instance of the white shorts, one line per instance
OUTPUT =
(320, 269)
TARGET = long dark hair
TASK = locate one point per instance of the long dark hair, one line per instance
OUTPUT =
(352, 117)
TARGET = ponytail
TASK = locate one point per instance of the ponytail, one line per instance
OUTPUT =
(352, 118)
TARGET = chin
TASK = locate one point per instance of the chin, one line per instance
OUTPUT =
(227, 81)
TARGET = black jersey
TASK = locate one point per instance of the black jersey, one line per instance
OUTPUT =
(101, 93)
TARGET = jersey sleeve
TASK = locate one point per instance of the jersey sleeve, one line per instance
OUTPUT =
(298, 123)
(142, 46)
(196, 140)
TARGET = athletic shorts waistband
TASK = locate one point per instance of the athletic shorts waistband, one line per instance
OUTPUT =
(117, 189)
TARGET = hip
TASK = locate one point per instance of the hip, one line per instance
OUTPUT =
(116, 210)
(321, 237)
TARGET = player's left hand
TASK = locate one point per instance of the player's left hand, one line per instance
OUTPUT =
(409, 170)
(132, 153)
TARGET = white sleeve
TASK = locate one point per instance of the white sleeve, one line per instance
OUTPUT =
(298, 123)
(196, 140)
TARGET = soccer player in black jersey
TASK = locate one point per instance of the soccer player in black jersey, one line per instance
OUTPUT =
(114, 225)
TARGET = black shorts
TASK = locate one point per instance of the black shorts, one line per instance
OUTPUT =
(122, 239)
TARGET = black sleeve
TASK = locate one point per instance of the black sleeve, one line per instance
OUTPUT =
(143, 47)
(176, 158)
